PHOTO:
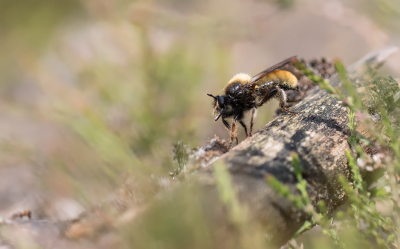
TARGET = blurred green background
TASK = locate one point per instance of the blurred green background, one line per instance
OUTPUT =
(93, 89)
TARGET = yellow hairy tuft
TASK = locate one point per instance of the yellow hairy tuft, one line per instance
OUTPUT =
(240, 78)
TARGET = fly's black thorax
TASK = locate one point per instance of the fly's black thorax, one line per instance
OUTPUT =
(241, 95)
(234, 89)
(265, 87)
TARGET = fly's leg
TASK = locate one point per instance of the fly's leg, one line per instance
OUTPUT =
(233, 132)
(253, 116)
(244, 127)
(281, 95)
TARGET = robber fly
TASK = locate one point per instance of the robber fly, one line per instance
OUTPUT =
(244, 93)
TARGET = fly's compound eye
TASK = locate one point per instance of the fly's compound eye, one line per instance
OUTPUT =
(221, 101)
